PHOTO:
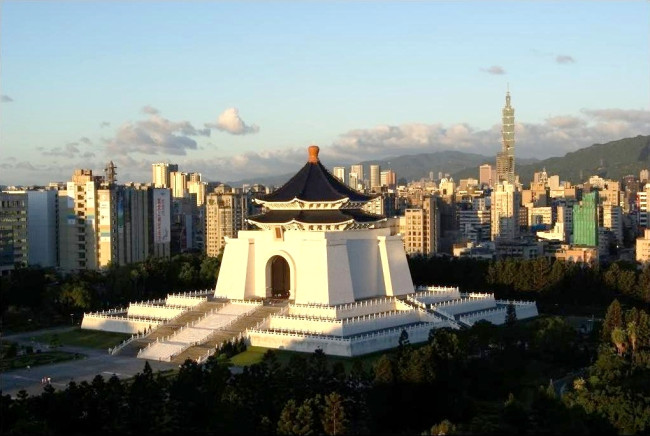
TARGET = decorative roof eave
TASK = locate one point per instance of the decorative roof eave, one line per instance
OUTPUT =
(297, 203)
(296, 224)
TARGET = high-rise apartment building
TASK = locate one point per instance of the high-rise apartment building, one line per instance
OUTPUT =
(78, 222)
(160, 174)
(14, 248)
(358, 170)
(375, 177)
(422, 228)
(504, 219)
(388, 178)
(642, 197)
(178, 184)
(486, 175)
(109, 230)
(585, 220)
(506, 157)
(643, 247)
(474, 224)
(339, 173)
(42, 228)
(612, 220)
(225, 216)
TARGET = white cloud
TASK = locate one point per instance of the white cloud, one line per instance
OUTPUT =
(494, 69)
(230, 121)
(564, 59)
(155, 135)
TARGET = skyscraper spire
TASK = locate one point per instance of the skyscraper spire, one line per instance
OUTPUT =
(506, 157)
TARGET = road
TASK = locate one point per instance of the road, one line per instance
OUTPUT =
(83, 369)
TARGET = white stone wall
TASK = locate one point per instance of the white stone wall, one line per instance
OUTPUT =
(117, 324)
(328, 267)
(356, 346)
(346, 327)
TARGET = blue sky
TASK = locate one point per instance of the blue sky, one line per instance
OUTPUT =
(235, 90)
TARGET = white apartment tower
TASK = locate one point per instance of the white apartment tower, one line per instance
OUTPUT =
(375, 177)
(422, 228)
(339, 173)
(225, 215)
(160, 174)
(504, 217)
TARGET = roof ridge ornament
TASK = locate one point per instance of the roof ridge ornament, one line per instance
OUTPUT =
(313, 154)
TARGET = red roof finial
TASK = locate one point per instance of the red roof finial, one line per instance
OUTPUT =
(313, 153)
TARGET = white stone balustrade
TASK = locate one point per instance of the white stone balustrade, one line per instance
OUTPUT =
(467, 304)
(435, 295)
(155, 310)
(345, 310)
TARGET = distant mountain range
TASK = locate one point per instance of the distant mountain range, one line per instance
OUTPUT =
(612, 160)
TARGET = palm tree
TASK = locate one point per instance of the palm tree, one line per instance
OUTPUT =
(619, 338)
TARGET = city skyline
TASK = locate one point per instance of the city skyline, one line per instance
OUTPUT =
(242, 88)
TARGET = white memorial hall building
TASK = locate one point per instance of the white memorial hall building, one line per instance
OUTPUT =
(320, 273)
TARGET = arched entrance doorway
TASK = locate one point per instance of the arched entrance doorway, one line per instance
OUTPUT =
(279, 281)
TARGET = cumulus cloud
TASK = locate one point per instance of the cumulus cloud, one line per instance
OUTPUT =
(6, 99)
(85, 140)
(104, 124)
(70, 150)
(555, 136)
(230, 121)
(155, 135)
(150, 110)
(564, 59)
(494, 69)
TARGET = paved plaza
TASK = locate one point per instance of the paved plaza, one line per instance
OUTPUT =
(82, 369)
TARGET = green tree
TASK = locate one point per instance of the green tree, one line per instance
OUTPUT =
(613, 319)
(76, 295)
(384, 371)
(619, 338)
(643, 284)
(334, 418)
(511, 315)
(296, 420)
(209, 271)
(443, 427)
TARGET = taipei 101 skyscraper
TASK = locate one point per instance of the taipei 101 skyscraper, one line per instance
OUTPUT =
(506, 157)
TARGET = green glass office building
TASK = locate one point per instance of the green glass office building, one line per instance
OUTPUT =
(585, 221)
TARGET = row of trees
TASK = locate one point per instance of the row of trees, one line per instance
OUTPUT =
(46, 297)
(481, 380)
(548, 282)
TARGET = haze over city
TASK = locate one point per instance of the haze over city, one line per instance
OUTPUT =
(236, 90)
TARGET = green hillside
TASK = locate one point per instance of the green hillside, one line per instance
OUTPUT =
(612, 160)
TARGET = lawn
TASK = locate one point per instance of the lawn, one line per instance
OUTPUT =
(36, 359)
(84, 338)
